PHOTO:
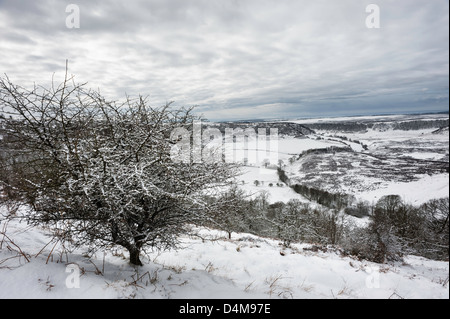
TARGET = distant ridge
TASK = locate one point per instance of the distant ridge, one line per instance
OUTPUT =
(293, 118)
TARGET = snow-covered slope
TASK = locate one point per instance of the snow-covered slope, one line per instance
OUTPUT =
(206, 266)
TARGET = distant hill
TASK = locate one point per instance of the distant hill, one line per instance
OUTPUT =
(362, 126)
(284, 128)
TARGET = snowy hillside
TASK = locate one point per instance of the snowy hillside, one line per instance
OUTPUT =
(367, 165)
(384, 156)
(207, 266)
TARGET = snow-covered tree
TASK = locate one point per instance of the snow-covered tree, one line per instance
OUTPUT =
(232, 211)
(102, 173)
(289, 222)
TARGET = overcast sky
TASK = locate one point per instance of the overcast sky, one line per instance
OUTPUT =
(239, 59)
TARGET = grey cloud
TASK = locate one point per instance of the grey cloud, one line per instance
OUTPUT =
(233, 58)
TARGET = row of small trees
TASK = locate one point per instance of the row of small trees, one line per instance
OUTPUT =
(398, 228)
(257, 183)
(394, 227)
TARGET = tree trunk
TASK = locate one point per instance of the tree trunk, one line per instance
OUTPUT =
(134, 256)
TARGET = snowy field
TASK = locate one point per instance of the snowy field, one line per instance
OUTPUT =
(268, 180)
(415, 192)
(410, 163)
(420, 145)
(401, 175)
(208, 266)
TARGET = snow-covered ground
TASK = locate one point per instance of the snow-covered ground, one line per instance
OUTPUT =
(207, 266)
(371, 118)
(268, 180)
(401, 157)
(418, 191)
(415, 192)
(211, 266)
(406, 156)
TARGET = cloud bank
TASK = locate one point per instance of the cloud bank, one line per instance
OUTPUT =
(239, 59)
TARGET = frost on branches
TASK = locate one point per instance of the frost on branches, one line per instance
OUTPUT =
(99, 172)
